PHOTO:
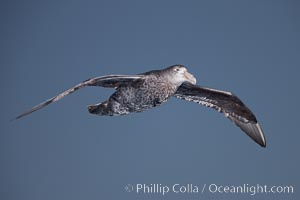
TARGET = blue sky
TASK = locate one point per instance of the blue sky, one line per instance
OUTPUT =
(250, 48)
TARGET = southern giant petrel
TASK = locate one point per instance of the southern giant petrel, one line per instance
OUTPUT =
(136, 93)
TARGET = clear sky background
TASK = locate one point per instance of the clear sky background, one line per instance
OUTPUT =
(251, 48)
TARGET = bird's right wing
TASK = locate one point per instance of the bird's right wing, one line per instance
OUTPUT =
(112, 81)
(225, 102)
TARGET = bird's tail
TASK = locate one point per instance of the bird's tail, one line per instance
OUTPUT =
(99, 109)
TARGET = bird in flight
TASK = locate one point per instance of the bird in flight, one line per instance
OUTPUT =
(136, 93)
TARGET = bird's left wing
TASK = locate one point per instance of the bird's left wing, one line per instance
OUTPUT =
(225, 102)
(112, 81)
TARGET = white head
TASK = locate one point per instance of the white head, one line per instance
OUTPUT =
(179, 74)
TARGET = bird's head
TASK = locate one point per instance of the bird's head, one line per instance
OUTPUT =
(179, 74)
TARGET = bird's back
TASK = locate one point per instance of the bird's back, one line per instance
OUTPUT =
(150, 91)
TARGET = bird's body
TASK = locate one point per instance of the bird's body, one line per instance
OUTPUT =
(136, 93)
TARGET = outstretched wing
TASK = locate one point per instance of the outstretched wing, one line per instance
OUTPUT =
(225, 102)
(112, 81)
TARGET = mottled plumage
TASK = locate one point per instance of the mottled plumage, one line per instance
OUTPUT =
(136, 93)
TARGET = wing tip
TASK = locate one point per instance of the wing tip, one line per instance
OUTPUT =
(253, 130)
(262, 142)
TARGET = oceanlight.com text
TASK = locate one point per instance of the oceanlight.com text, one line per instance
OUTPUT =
(194, 189)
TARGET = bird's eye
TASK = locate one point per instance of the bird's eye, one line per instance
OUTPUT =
(177, 69)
